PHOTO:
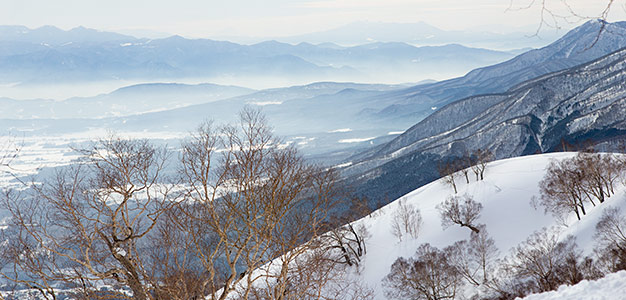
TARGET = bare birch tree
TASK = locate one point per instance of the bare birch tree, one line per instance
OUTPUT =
(88, 225)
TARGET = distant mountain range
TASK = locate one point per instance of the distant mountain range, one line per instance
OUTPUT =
(568, 107)
(51, 55)
(420, 33)
(130, 100)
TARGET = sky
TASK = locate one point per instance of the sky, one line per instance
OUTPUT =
(276, 18)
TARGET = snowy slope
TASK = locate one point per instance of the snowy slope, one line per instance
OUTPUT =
(610, 287)
(505, 193)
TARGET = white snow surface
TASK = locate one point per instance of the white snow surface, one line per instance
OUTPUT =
(505, 193)
(357, 140)
(612, 286)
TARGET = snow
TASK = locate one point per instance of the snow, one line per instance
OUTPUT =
(344, 165)
(611, 286)
(37, 152)
(264, 103)
(340, 130)
(356, 140)
(505, 193)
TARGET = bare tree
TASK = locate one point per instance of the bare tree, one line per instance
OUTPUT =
(554, 14)
(475, 259)
(9, 150)
(544, 261)
(89, 224)
(460, 210)
(345, 244)
(448, 171)
(242, 199)
(570, 183)
(406, 220)
(428, 275)
(562, 190)
(249, 200)
(594, 179)
(611, 239)
(612, 170)
(479, 160)
(464, 165)
(314, 276)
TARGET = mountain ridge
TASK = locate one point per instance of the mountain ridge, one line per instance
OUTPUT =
(567, 106)
(49, 55)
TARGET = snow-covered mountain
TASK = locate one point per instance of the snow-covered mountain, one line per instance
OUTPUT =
(587, 102)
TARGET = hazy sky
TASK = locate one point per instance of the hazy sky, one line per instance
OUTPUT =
(267, 18)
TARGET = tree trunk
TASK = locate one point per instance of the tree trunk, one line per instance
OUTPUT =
(577, 213)
(471, 227)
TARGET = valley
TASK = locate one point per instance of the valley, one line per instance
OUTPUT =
(311, 166)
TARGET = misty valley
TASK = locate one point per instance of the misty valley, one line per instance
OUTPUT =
(370, 161)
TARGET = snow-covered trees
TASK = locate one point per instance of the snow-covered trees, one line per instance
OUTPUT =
(460, 210)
